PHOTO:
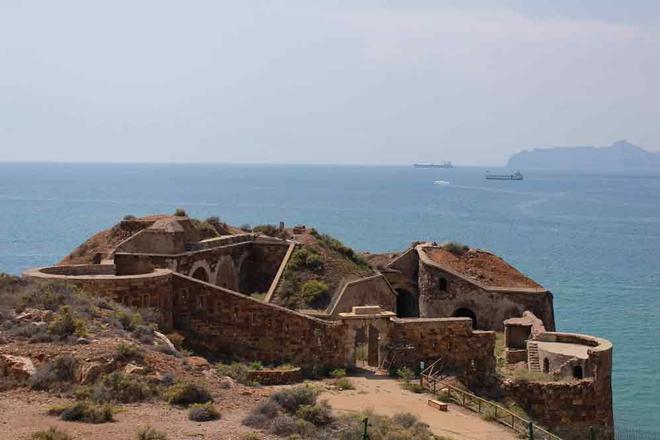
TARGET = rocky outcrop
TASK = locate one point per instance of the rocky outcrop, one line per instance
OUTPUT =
(18, 368)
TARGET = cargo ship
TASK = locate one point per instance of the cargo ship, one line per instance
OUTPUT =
(515, 176)
(446, 164)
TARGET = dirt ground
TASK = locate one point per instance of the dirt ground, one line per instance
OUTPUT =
(24, 412)
(385, 396)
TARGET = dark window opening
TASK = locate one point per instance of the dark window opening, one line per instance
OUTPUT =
(577, 372)
(464, 312)
(407, 305)
(546, 365)
(443, 284)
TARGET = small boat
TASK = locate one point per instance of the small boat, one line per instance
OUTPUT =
(445, 164)
(515, 176)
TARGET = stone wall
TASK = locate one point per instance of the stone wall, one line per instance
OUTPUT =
(146, 290)
(569, 409)
(464, 351)
(244, 266)
(232, 325)
(374, 290)
(492, 306)
(276, 377)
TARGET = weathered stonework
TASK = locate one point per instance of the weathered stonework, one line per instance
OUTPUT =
(413, 310)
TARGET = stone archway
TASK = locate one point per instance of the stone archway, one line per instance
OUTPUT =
(200, 274)
(464, 312)
(407, 304)
(226, 275)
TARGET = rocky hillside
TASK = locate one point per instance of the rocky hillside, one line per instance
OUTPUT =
(619, 155)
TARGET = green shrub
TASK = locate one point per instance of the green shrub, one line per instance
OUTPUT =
(236, 370)
(180, 212)
(203, 412)
(60, 370)
(51, 434)
(67, 324)
(338, 373)
(149, 433)
(255, 365)
(406, 374)
(253, 435)
(291, 399)
(186, 393)
(318, 414)
(305, 258)
(455, 247)
(313, 290)
(83, 412)
(129, 217)
(119, 387)
(283, 426)
(130, 352)
(344, 383)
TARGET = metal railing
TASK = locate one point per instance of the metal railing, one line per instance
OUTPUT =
(432, 380)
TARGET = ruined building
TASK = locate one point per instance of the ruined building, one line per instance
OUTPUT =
(235, 296)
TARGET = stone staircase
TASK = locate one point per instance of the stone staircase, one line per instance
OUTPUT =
(533, 356)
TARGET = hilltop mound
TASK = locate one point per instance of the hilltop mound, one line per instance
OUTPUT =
(101, 245)
(317, 270)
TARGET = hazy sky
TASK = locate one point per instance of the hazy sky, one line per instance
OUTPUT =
(380, 82)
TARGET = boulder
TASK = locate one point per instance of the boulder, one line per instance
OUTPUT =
(198, 362)
(91, 371)
(134, 369)
(16, 367)
(164, 340)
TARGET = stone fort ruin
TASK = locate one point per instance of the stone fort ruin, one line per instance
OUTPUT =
(228, 294)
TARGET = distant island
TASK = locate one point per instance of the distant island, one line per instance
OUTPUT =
(620, 154)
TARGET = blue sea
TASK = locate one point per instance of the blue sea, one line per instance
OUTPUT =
(593, 238)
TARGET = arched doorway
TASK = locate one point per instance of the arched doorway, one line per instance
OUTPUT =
(464, 312)
(227, 276)
(407, 305)
(201, 274)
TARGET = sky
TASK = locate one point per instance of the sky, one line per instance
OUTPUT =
(340, 82)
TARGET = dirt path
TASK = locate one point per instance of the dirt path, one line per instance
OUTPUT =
(385, 396)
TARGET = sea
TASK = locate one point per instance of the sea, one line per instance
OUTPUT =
(591, 237)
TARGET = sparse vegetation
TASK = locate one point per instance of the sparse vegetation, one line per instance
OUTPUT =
(51, 434)
(238, 371)
(455, 247)
(83, 412)
(313, 290)
(336, 245)
(119, 387)
(67, 324)
(338, 373)
(149, 433)
(306, 258)
(344, 384)
(180, 212)
(54, 374)
(271, 231)
(130, 352)
(203, 412)
(129, 217)
(186, 393)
